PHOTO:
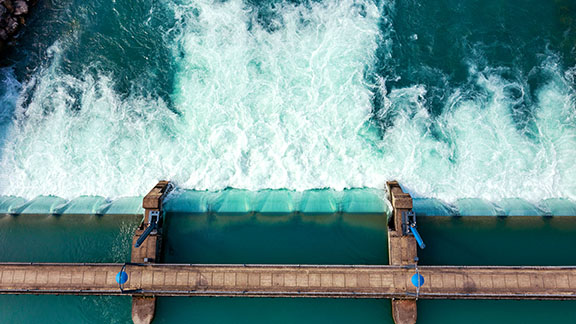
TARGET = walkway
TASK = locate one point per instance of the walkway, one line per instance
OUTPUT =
(445, 282)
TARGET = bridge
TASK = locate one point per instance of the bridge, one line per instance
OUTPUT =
(403, 280)
(338, 281)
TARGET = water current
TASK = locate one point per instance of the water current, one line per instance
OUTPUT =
(452, 98)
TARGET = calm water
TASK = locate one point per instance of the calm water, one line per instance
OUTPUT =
(517, 240)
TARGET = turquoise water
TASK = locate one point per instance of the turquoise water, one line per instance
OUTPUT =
(450, 240)
(361, 311)
(294, 241)
(67, 309)
(78, 238)
(455, 99)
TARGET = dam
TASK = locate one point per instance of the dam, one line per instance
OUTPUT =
(146, 278)
(280, 122)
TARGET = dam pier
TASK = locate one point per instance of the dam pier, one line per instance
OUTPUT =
(402, 280)
(147, 247)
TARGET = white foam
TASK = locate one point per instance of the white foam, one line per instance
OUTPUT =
(279, 109)
(286, 105)
(484, 154)
(9, 91)
(258, 109)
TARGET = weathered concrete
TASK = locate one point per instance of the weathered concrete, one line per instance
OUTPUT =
(404, 311)
(143, 309)
(402, 250)
(441, 282)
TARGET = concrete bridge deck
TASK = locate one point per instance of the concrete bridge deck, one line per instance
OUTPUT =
(440, 282)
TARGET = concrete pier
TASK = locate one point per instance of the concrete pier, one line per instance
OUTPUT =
(402, 250)
(144, 308)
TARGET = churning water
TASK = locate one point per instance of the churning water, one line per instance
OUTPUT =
(452, 98)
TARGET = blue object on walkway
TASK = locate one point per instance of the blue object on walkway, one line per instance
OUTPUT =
(417, 280)
(417, 237)
(121, 277)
